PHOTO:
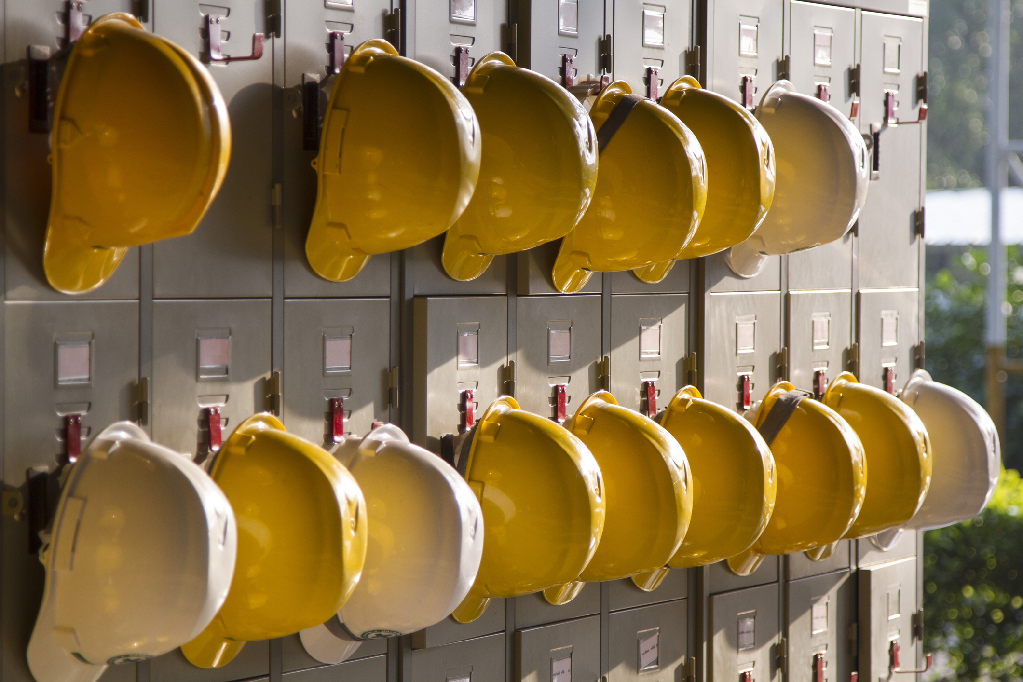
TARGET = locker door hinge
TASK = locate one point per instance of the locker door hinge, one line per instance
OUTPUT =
(919, 355)
(511, 41)
(392, 388)
(854, 90)
(689, 670)
(276, 203)
(142, 402)
(606, 53)
(783, 364)
(921, 87)
(784, 67)
(918, 625)
(39, 94)
(693, 62)
(142, 10)
(852, 361)
(39, 504)
(275, 396)
(782, 659)
(604, 373)
(274, 18)
(392, 27)
(691, 373)
(310, 113)
(919, 222)
(509, 379)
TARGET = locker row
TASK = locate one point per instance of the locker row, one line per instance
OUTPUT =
(146, 553)
(230, 254)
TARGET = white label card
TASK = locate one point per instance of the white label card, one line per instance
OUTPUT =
(561, 669)
(819, 617)
(747, 632)
(648, 650)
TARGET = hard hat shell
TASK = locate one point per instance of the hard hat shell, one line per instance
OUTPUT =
(650, 195)
(822, 477)
(741, 170)
(647, 486)
(537, 173)
(141, 143)
(399, 155)
(301, 539)
(139, 559)
(543, 504)
(897, 449)
(822, 177)
(734, 481)
(965, 448)
(425, 544)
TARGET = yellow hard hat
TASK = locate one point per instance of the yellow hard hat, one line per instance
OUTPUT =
(897, 449)
(822, 475)
(740, 160)
(141, 142)
(542, 499)
(650, 196)
(648, 488)
(301, 539)
(538, 171)
(398, 160)
(734, 482)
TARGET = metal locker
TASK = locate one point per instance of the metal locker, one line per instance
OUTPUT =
(828, 266)
(562, 40)
(651, 43)
(533, 609)
(40, 27)
(558, 342)
(229, 254)
(869, 553)
(625, 595)
(294, 658)
(718, 277)
(252, 661)
(648, 349)
(677, 281)
(211, 362)
(888, 322)
(69, 367)
(449, 630)
(888, 619)
(744, 635)
(451, 35)
(461, 347)
(818, 338)
(893, 86)
(336, 367)
(534, 272)
(372, 669)
(476, 660)
(423, 262)
(821, 628)
(798, 565)
(317, 38)
(559, 653)
(746, 41)
(648, 643)
(723, 580)
(741, 339)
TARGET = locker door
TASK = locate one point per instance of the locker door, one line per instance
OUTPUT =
(744, 635)
(439, 28)
(648, 350)
(741, 341)
(821, 618)
(651, 40)
(561, 38)
(745, 40)
(819, 334)
(888, 334)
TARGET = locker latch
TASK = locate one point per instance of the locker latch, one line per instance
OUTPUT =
(213, 440)
(746, 676)
(650, 396)
(336, 50)
(893, 661)
(467, 409)
(73, 437)
(888, 376)
(747, 89)
(652, 81)
(337, 420)
(746, 390)
(75, 21)
(820, 383)
(818, 667)
(560, 403)
(822, 92)
(567, 70)
(461, 64)
(213, 43)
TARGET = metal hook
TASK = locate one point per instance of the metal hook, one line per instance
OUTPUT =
(213, 40)
(893, 661)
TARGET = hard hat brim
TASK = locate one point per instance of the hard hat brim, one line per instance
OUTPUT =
(47, 660)
(330, 645)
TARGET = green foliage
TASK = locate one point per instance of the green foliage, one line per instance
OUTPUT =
(973, 594)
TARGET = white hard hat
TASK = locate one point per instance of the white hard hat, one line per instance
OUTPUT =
(425, 544)
(139, 560)
(966, 452)
(822, 178)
